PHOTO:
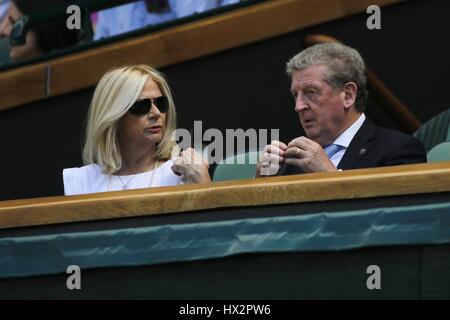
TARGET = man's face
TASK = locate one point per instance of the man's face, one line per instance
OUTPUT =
(320, 107)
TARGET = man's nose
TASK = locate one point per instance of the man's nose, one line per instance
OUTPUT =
(300, 104)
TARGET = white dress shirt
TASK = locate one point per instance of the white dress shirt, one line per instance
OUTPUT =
(345, 139)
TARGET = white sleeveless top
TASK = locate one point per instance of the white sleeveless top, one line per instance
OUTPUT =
(90, 179)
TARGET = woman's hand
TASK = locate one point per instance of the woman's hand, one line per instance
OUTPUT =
(192, 166)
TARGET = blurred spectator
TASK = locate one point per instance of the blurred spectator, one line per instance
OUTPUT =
(4, 5)
(139, 14)
(4, 47)
(41, 38)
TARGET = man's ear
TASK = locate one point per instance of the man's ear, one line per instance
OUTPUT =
(350, 91)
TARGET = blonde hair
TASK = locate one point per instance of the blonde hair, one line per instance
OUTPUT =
(115, 93)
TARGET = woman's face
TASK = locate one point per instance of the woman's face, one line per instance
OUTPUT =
(147, 129)
(30, 48)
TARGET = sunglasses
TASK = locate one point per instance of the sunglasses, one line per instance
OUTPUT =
(142, 107)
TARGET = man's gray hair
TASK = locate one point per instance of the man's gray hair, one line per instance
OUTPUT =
(342, 65)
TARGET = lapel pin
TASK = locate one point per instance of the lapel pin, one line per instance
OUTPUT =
(362, 151)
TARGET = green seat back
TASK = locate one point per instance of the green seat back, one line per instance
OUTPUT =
(441, 152)
(435, 130)
(241, 166)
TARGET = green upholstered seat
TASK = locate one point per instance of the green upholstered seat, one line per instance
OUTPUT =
(435, 130)
(241, 166)
(441, 152)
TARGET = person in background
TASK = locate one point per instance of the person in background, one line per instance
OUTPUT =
(4, 6)
(328, 85)
(41, 38)
(4, 43)
(135, 15)
(128, 141)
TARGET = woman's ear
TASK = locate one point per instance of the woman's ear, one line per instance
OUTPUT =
(350, 91)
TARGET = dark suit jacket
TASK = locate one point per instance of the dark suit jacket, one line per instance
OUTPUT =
(376, 147)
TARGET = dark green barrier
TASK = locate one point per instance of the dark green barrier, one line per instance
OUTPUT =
(323, 255)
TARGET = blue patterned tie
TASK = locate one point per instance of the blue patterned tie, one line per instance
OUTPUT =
(331, 149)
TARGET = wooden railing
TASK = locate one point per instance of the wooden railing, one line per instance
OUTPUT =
(350, 184)
(173, 45)
(380, 93)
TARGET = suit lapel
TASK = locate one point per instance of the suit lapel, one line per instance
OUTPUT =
(358, 147)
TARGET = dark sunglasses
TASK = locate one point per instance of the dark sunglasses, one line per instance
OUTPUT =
(142, 107)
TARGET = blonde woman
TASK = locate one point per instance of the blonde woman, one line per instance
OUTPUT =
(128, 145)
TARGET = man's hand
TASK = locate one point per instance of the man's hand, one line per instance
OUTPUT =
(308, 155)
(271, 160)
(192, 166)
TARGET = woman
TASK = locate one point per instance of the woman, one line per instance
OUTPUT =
(128, 137)
(42, 38)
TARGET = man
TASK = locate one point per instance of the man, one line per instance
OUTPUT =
(328, 84)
